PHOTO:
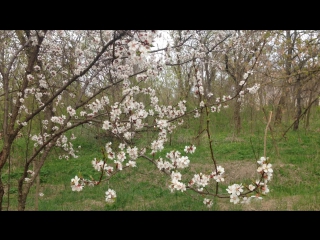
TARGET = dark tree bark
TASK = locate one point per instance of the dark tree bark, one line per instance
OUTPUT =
(298, 108)
(290, 43)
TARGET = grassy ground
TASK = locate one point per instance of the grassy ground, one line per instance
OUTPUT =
(295, 184)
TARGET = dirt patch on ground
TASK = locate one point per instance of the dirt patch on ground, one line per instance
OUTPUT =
(234, 171)
(276, 204)
(244, 171)
(89, 204)
(265, 204)
(237, 171)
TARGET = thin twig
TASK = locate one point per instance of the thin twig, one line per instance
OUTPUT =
(301, 115)
(265, 135)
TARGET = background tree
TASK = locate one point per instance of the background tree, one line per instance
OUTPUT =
(42, 68)
(240, 57)
(293, 66)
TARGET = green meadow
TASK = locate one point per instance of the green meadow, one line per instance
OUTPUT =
(294, 155)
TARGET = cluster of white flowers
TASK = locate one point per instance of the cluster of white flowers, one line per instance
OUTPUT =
(59, 120)
(110, 196)
(190, 149)
(218, 175)
(235, 190)
(175, 182)
(131, 153)
(242, 83)
(258, 188)
(76, 184)
(199, 181)
(254, 89)
(71, 111)
(198, 86)
(208, 202)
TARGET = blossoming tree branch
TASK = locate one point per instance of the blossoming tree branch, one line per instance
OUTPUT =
(55, 81)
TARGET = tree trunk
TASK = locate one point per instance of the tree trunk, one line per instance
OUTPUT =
(288, 65)
(281, 106)
(236, 117)
(36, 197)
(279, 110)
(298, 109)
(309, 111)
(236, 113)
(24, 188)
(4, 155)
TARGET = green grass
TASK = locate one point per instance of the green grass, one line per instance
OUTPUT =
(295, 184)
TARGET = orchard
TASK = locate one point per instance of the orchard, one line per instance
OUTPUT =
(130, 82)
